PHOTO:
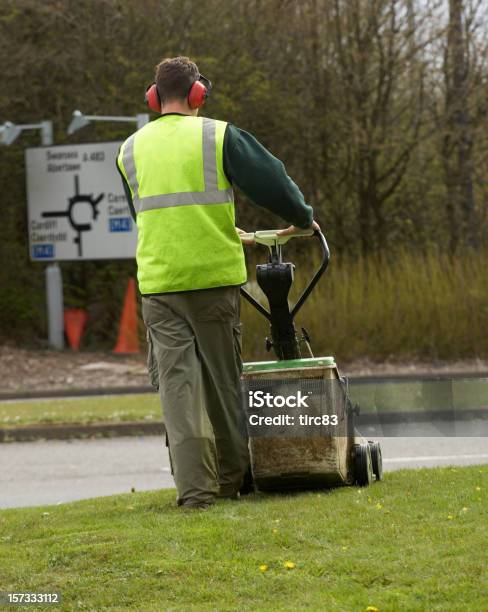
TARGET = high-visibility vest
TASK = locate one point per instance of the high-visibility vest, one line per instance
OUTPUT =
(184, 206)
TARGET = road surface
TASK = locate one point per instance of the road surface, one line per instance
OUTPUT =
(58, 471)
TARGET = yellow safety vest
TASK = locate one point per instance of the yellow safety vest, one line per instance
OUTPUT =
(184, 206)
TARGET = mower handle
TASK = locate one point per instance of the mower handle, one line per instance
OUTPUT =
(271, 238)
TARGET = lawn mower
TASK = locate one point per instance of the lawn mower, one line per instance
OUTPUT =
(286, 453)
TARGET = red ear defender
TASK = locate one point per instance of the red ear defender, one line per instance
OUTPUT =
(197, 95)
(152, 98)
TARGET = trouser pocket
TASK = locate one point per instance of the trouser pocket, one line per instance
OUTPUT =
(237, 331)
(152, 364)
(169, 453)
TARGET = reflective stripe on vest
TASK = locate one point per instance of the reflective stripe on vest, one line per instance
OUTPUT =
(211, 194)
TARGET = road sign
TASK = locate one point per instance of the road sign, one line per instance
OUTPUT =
(77, 208)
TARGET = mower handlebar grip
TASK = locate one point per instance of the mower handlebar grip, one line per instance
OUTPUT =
(273, 238)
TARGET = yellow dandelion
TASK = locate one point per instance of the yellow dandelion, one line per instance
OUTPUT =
(263, 567)
(289, 565)
(379, 506)
(344, 548)
(450, 517)
(465, 509)
(477, 488)
(372, 609)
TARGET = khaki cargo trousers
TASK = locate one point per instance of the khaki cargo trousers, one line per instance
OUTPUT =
(194, 358)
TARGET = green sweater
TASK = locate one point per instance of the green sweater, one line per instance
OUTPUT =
(260, 175)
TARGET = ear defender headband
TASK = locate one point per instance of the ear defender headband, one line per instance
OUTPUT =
(197, 94)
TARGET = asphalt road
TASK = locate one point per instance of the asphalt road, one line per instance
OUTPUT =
(54, 472)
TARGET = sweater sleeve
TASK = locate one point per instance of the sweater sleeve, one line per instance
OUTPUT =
(263, 178)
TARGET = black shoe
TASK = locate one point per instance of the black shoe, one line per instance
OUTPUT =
(203, 505)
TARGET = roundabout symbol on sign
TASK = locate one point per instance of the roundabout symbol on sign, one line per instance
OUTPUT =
(78, 198)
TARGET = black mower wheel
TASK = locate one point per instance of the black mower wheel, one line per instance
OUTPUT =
(363, 465)
(376, 459)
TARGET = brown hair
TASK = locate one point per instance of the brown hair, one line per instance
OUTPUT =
(174, 77)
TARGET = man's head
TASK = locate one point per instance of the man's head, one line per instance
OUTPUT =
(174, 77)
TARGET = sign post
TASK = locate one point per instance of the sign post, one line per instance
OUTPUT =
(55, 306)
(54, 280)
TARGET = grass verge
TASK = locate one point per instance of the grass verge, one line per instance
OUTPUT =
(416, 541)
(381, 397)
(86, 410)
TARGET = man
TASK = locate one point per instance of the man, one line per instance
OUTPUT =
(178, 173)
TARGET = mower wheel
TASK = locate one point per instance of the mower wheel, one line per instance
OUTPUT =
(363, 465)
(376, 459)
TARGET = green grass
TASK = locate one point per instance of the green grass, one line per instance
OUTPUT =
(144, 407)
(403, 306)
(416, 541)
(372, 397)
(426, 395)
(86, 410)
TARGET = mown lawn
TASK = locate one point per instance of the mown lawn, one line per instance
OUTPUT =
(81, 410)
(396, 396)
(416, 541)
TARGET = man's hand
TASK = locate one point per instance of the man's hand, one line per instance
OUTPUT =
(246, 241)
(294, 230)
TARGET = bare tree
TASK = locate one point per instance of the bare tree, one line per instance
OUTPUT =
(381, 115)
(457, 147)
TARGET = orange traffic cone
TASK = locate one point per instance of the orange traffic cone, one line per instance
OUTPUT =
(128, 340)
(74, 325)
